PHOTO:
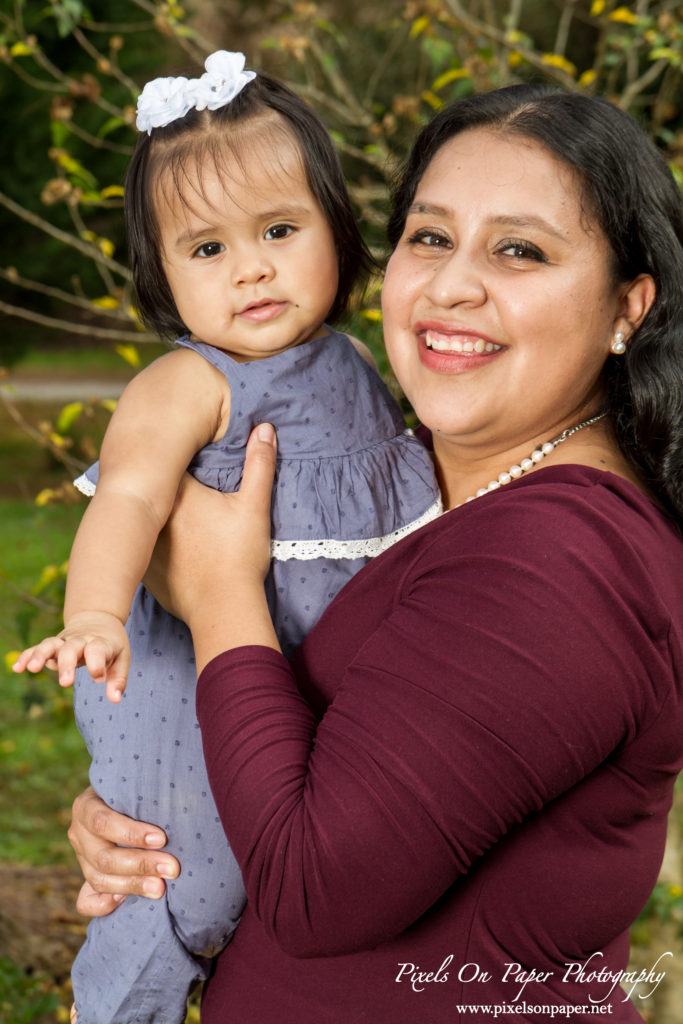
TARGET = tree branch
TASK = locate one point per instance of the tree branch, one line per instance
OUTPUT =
(474, 26)
(108, 333)
(89, 250)
(58, 293)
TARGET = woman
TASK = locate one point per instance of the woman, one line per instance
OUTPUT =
(452, 805)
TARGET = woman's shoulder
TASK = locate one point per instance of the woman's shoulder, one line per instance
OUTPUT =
(563, 526)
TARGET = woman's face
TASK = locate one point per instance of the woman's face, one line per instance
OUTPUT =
(499, 303)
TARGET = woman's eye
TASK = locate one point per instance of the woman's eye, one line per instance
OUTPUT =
(430, 239)
(209, 249)
(520, 250)
(279, 231)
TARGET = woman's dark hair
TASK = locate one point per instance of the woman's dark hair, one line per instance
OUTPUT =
(630, 192)
(212, 133)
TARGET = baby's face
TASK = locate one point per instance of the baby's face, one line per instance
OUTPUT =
(248, 253)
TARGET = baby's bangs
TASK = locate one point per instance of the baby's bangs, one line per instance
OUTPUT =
(227, 151)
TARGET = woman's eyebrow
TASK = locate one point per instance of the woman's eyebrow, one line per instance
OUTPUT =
(513, 220)
(530, 220)
(431, 208)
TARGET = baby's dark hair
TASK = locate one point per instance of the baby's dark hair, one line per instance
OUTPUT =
(278, 110)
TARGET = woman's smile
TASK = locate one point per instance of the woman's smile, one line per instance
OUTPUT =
(451, 348)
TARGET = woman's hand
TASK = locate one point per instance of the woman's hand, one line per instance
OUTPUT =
(212, 557)
(118, 856)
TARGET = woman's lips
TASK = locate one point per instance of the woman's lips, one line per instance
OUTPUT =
(454, 351)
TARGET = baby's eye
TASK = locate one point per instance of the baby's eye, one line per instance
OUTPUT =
(209, 249)
(521, 250)
(279, 231)
(429, 238)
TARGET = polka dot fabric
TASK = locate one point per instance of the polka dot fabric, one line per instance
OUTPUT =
(347, 471)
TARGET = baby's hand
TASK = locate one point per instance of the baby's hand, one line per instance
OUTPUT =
(97, 640)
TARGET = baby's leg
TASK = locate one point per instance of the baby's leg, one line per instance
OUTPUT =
(133, 968)
(147, 761)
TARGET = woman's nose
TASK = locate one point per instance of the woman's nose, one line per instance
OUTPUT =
(456, 280)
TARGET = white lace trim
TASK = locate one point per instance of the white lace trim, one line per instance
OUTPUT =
(370, 547)
(307, 550)
(85, 486)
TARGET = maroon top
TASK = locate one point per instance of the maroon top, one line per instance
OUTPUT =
(477, 775)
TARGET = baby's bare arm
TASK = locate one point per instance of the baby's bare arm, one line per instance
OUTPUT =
(165, 415)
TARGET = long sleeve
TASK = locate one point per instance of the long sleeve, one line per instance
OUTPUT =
(522, 645)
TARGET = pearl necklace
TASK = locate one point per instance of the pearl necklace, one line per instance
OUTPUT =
(537, 455)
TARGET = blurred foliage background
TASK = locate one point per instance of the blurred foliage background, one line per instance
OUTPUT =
(70, 72)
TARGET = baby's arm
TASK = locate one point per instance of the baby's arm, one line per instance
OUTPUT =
(166, 414)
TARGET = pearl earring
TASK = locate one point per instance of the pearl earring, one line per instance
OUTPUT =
(618, 346)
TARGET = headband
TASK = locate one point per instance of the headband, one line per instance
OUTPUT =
(164, 100)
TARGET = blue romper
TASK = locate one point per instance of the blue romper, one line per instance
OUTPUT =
(350, 481)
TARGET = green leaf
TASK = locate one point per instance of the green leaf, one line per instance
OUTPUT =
(60, 132)
(439, 51)
(110, 125)
(67, 14)
(185, 31)
(666, 52)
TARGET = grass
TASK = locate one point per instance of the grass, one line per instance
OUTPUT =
(82, 361)
(41, 753)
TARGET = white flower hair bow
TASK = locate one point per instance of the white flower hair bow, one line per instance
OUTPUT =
(164, 100)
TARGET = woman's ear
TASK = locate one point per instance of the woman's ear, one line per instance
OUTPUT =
(636, 301)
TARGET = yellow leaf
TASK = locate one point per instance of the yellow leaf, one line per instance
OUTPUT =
(556, 60)
(665, 52)
(675, 891)
(10, 658)
(68, 416)
(449, 76)
(419, 26)
(111, 192)
(623, 15)
(588, 77)
(513, 36)
(373, 315)
(432, 99)
(106, 302)
(129, 353)
(45, 496)
(49, 574)
(597, 7)
(108, 403)
(106, 246)
(103, 244)
(515, 59)
(57, 440)
(21, 50)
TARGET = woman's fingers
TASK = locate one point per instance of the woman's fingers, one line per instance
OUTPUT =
(117, 854)
(96, 904)
(259, 467)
